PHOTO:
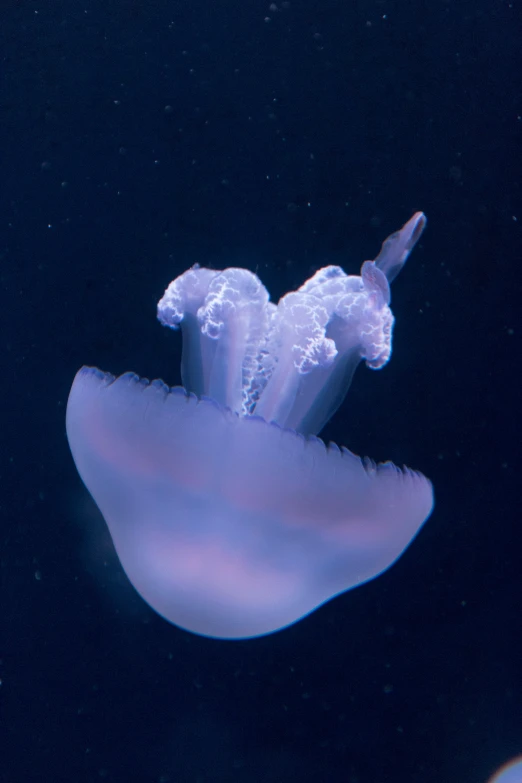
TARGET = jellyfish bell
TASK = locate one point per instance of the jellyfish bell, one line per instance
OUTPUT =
(229, 516)
(510, 772)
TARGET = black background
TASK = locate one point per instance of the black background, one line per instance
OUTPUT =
(137, 138)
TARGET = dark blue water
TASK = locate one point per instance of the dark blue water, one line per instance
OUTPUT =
(139, 138)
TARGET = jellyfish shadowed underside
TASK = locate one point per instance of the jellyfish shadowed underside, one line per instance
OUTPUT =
(231, 518)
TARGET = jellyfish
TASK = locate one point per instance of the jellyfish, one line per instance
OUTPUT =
(230, 517)
(510, 772)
